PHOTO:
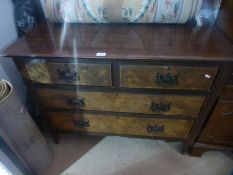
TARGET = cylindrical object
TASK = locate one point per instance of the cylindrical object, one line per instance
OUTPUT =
(21, 130)
(122, 11)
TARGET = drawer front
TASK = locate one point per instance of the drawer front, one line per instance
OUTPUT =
(219, 128)
(227, 93)
(167, 77)
(120, 125)
(70, 73)
(122, 102)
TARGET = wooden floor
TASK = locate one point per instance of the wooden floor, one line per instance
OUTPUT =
(90, 155)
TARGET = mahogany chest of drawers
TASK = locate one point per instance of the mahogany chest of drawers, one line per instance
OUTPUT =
(152, 81)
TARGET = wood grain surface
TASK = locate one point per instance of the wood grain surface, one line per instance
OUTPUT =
(225, 18)
(219, 129)
(134, 41)
(122, 102)
(120, 125)
(70, 73)
(191, 78)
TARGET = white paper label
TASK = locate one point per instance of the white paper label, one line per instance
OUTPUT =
(101, 54)
(207, 76)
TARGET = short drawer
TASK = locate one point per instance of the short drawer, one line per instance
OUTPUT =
(69, 73)
(120, 125)
(167, 77)
(122, 102)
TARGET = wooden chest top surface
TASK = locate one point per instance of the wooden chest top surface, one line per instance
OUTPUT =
(120, 41)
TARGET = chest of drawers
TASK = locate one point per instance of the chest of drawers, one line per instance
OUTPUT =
(157, 82)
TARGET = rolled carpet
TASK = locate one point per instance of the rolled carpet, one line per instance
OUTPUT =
(21, 131)
(122, 11)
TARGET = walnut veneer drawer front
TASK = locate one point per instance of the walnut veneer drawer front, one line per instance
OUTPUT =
(168, 77)
(121, 125)
(70, 73)
(122, 102)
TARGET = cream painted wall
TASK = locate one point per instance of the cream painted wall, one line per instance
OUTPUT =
(43, 6)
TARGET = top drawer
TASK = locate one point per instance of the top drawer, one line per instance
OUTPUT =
(167, 77)
(70, 73)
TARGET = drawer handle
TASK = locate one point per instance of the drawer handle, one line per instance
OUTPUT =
(67, 75)
(79, 103)
(225, 114)
(160, 107)
(81, 123)
(166, 79)
(155, 128)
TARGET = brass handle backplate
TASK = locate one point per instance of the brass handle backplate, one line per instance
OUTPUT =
(155, 128)
(79, 103)
(81, 123)
(166, 79)
(68, 75)
(160, 107)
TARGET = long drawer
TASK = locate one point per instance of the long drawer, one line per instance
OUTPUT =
(122, 102)
(69, 73)
(167, 77)
(120, 125)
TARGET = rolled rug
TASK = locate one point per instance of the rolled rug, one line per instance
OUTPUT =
(122, 11)
(21, 130)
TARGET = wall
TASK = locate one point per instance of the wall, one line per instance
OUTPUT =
(43, 7)
(9, 164)
(8, 35)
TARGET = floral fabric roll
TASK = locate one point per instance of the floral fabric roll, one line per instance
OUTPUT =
(122, 11)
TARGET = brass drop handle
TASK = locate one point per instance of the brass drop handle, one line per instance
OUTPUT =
(166, 79)
(155, 128)
(68, 75)
(79, 103)
(81, 123)
(160, 107)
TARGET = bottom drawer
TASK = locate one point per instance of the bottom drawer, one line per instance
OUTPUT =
(99, 123)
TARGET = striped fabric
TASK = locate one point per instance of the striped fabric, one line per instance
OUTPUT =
(122, 11)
